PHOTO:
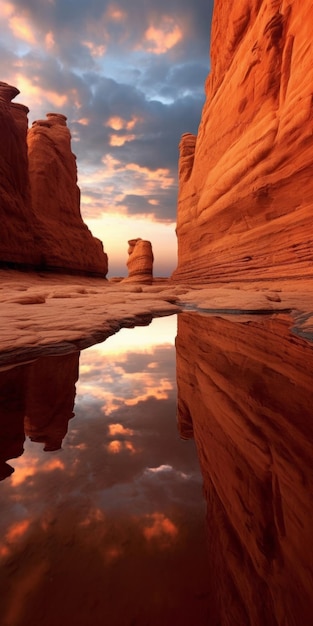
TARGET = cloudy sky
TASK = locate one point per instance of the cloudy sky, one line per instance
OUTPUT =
(130, 78)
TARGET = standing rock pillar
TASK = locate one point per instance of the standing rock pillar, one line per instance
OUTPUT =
(140, 261)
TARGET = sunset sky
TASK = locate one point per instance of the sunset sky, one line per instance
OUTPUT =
(130, 77)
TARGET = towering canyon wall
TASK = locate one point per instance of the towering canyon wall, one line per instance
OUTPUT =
(41, 223)
(246, 188)
(17, 243)
(245, 390)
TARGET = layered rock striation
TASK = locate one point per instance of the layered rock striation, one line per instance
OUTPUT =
(65, 241)
(245, 182)
(140, 261)
(245, 391)
(41, 223)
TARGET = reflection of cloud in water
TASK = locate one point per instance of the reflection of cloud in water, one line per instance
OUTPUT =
(119, 429)
(128, 379)
(24, 471)
(161, 528)
(121, 504)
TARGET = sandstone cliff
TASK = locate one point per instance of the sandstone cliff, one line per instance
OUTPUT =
(17, 245)
(246, 391)
(41, 224)
(65, 241)
(246, 186)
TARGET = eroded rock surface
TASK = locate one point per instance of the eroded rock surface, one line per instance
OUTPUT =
(17, 245)
(65, 241)
(246, 185)
(245, 390)
(41, 224)
(140, 261)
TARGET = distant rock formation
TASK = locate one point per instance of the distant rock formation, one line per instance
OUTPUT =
(65, 241)
(41, 224)
(245, 182)
(253, 430)
(140, 261)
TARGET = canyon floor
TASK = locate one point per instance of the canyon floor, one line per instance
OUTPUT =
(53, 313)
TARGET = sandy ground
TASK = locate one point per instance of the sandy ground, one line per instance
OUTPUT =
(52, 313)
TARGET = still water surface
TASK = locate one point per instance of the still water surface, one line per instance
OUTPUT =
(102, 521)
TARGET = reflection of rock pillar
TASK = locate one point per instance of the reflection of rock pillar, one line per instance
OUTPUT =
(50, 399)
(65, 240)
(16, 242)
(12, 410)
(140, 261)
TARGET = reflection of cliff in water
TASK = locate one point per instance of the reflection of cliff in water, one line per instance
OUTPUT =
(246, 391)
(36, 399)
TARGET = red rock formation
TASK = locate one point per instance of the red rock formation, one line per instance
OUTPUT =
(17, 245)
(245, 196)
(41, 224)
(246, 388)
(65, 241)
(140, 261)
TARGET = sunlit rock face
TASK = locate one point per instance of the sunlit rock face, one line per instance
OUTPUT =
(17, 245)
(65, 241)
(246, 185)
(140, 261)
(245, 389)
